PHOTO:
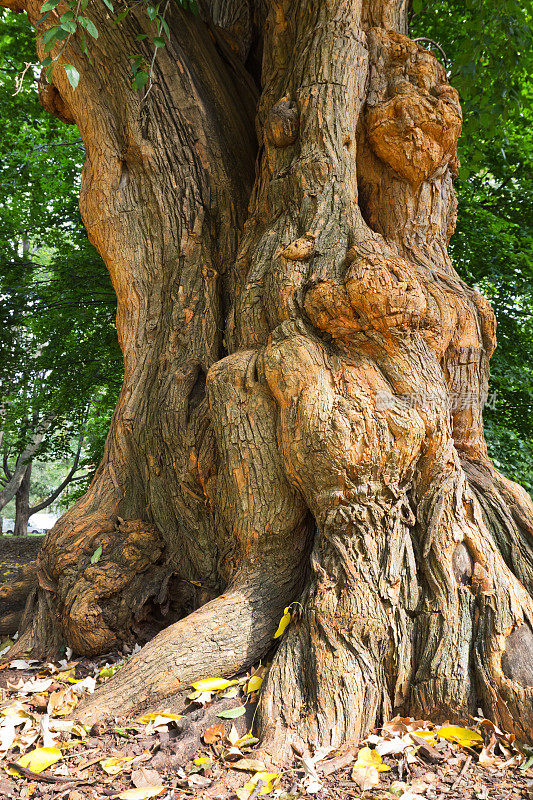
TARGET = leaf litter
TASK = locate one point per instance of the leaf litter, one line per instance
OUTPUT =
(44, 755)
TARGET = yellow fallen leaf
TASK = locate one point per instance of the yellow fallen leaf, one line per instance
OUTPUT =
(254, 684)
(268, 778)
(202, 697)
(246, 741)
(462, 736)
(39, 759)
(428, 736)
(370, 758)
(115, 765)
(212, 685)
(140, 794)
(203, 761)
(146, 718)
(284, 621)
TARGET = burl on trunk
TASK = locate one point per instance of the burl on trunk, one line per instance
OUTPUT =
(305, 372)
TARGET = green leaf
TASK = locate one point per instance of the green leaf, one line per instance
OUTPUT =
(121, 16)
(109, 5)
(141, 36)
(98, 552)
(165, 27)
(69, 26)
(151, 11)
(89, 26)
(66, 17)
(47, 61)
(48, 6)
(232, 713)
(43, 18)
(159, 42)
(50, 35)
(140, 79)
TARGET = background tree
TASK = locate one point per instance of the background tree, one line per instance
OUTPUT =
(297, 351)
(60, 365)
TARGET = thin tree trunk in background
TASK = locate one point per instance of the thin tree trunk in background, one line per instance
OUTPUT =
(22, 504)
(301, 414)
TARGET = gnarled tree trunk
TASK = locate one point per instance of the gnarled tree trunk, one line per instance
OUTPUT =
(300, 418)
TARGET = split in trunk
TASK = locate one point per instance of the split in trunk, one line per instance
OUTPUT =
(301, 414)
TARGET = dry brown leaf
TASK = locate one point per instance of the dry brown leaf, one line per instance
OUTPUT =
(214, 733)
(365, 777)
(249, 765)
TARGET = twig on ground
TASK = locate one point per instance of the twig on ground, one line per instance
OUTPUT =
(464, 768)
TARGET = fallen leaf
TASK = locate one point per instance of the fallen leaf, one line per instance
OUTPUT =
(109, 670)
(214, 733)
(232, 713)
(35, 685)
(212, 684)
(462, 736)
(7, 735)
(198, 782)
(370, 758)
(41, 758)
(254, 684)
(232, 692)
(203, 761)
(284, 621)
(115, 765)
(428, 736)
(365, 777)
(88, 685)
(20, 664)
(146, 718)
(145, 778)
(249, 765)
(44, 730)
(233, 736)
(62, 702)
(268, 778)
(398, 788)
(140, 794)
(246, 741)
(200, 697)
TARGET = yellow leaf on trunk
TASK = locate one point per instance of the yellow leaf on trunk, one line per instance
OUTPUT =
(284, 621)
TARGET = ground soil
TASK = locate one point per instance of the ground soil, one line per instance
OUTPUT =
(166, 756)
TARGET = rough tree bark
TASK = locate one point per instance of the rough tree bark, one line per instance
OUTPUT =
(22, 504)
(300, 418)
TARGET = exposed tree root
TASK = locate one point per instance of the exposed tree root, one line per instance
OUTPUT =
(222, 638)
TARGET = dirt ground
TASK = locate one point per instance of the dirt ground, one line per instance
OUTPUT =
(208, 752)
(15, 552)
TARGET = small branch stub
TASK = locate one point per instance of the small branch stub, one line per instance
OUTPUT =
(282, 124)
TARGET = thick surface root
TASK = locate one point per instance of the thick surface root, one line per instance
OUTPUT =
(222, 638)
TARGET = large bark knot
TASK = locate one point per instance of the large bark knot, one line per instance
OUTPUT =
(282, 124)
(109, 588)
(413, 117)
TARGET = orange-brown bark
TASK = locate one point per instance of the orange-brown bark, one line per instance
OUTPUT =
(301, 417)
